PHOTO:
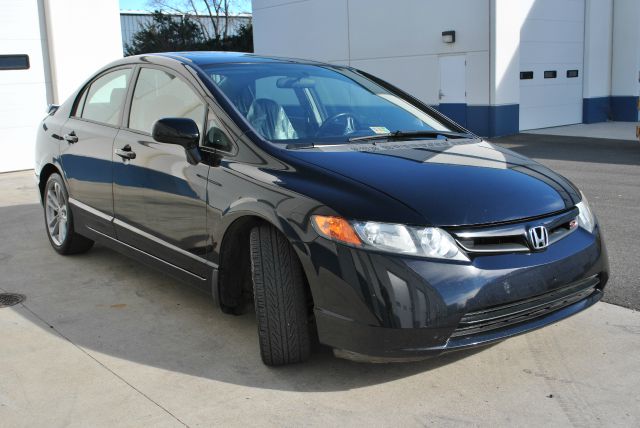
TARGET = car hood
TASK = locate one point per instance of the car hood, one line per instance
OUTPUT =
(450, 182)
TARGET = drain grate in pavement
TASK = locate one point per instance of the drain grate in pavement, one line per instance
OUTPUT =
(10, 299)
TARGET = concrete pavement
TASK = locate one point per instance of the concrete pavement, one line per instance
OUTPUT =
(104, 341)
(607, 130)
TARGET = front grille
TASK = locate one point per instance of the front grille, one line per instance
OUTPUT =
(510, 238)
(524, 310)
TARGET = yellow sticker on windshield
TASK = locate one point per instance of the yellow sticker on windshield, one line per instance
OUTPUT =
(379, 129)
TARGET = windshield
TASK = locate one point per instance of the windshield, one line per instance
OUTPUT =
(305, 104)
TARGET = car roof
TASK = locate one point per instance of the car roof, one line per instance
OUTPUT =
(202, 58)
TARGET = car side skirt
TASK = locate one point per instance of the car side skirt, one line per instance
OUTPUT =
(88, 223)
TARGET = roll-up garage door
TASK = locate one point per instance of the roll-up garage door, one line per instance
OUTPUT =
(551, 58)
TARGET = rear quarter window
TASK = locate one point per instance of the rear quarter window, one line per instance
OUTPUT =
(103, 100)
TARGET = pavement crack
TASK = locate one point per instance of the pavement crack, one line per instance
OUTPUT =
(151, 400)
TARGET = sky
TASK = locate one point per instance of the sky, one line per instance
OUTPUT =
(243, 5)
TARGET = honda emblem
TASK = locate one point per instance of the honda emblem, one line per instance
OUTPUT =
(538, 237)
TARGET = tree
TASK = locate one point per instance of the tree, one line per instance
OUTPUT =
(242, 41)
(218, 11)
(168, 33)
(171, 33)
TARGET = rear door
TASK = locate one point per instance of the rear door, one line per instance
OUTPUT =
(159, 198)
(87, 148)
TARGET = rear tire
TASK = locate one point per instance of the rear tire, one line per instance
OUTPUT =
(280, 298)
(58, 219)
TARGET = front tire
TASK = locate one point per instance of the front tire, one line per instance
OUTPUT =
(280, 298)
(59, 219)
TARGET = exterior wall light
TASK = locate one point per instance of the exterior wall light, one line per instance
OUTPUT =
(448, 36)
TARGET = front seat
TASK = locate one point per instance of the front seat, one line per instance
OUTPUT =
(270, 120)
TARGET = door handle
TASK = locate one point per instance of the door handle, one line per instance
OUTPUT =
(440, 94)
(126, 152)
(71, 137)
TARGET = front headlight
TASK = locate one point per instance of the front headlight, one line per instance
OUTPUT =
(429, 242)
(586, 219)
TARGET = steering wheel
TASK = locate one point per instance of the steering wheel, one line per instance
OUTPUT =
(349, 125)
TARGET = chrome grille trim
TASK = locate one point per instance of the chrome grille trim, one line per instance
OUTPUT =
(512, 238)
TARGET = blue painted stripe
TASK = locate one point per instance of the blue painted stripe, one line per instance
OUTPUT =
(624, 109)
(454, 111)
(485, 120)
(504, 120)
(478, 118)
(597, 109)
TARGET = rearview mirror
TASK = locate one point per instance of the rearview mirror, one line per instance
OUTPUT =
(295, 82)
(181, 131)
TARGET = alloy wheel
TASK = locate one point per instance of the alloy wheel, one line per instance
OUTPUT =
(57, 214)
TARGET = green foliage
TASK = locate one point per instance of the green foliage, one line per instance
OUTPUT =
(172, 33)
(242, 41)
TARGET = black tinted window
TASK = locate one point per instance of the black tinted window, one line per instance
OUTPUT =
(215, 136)
(159, 94)
(14, 62)
(105, 97)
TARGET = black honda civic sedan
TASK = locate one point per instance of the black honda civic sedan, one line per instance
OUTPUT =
(342, 208)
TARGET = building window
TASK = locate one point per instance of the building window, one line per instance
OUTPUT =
(526, 75)
(550, 74)
(14, 62)
(572, 73)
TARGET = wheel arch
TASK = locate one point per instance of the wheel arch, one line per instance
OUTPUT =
(234, 286)
(45, 173)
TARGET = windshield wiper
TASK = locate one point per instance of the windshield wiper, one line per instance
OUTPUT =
(395, 135)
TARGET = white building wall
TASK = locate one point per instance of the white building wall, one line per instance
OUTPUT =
(23, 93)
(626, 48)
(597, 48)
(66, 41)
(408, 38)
(508, 17)
(625, 70)
(83, 36)
(400, 44)
(308, 29)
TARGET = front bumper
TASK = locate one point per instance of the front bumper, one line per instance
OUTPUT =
(380, 306)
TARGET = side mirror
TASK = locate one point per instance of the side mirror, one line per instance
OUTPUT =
(181, 131)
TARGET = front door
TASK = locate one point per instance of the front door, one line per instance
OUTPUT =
(453, 88)
(159, 198)
(87, 147)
